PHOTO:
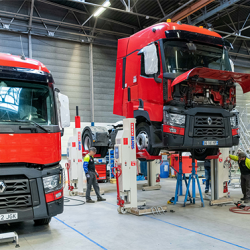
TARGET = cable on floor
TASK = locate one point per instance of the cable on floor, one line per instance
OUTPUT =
(67, 199)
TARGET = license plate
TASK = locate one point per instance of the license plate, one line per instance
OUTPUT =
(13, 216)
(210, 143)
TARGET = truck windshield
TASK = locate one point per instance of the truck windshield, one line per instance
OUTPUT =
(181, 56)
(26, 101)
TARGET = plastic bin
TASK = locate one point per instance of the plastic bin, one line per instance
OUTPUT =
(164, 169)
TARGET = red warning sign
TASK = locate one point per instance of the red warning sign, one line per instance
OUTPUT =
(133, 163)
(125, 141)
(73, 144)
(220, 160)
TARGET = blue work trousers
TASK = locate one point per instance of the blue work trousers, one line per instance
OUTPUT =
(208, 178)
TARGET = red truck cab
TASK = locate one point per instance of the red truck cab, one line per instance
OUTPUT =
(180, 82)
(31, 177)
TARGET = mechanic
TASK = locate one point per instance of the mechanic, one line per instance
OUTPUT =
(207, 166)
(90, 171)
(244, 164)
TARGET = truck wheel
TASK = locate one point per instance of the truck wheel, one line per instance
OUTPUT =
(200, 154)
(87, 140)
(42, 222)
(143, 139)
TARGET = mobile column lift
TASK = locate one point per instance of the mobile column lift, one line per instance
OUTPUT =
(125, 154)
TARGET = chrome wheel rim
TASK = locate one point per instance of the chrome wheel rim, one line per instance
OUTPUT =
(142, 140)
(87, 143)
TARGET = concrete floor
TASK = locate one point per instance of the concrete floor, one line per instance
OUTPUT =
(99, 226)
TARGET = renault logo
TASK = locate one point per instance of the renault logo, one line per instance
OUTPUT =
(209, 121)
(2, 187)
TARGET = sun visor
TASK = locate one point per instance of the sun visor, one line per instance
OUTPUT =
(241, 78)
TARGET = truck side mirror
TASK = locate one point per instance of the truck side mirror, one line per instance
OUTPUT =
(62, 104)
(64, 110)
(232, 65)
(150, 59)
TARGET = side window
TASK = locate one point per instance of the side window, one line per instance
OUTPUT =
(143, 64)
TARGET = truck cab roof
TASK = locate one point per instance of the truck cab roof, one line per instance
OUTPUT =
(9, 60)
(156, 32)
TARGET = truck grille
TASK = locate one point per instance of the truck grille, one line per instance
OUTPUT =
(202, 121)
(20, 186)
(15, 201)
(209, 132)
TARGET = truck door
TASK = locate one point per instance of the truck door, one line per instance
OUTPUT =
(150, 87)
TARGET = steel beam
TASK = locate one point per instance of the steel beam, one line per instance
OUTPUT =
(173, 12)
(29, 28)
(85, 13)
(214, 11)
(190, 10)
(115, 9)
(163, 13)
(35, 28)
(138, 19)
(232, 34)
(17, 12)
(31, 13)
(91, 74)
(65, 24)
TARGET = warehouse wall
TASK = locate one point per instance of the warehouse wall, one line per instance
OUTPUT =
(10, 43)
(69, 65)
(104, 62)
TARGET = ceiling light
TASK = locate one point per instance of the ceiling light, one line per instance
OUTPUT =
(102, 9)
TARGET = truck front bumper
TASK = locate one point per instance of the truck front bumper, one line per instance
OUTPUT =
(28, 198)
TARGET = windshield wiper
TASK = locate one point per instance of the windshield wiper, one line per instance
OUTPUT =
(34, 123)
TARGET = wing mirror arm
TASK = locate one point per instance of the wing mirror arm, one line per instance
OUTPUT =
(157, 79)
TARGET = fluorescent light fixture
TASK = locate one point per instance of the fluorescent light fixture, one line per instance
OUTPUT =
(102, 9)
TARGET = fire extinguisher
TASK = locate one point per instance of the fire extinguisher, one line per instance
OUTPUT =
(225, 187)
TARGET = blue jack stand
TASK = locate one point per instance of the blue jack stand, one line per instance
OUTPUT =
(180, 178)
(193, 176)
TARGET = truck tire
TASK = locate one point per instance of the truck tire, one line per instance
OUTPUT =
(87, 140)
(200, 154)
(42, 222)
(143, 139)
(87, 143)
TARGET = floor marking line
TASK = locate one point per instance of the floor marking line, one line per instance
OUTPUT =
(81, 234)
(227, 242)
(199, 233)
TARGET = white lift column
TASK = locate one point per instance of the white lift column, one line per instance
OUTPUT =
(125, 157)
(219, 179)
(74, 157)
(153, 174)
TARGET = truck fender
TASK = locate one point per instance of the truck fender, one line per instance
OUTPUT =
(142, 113)
(100, 135)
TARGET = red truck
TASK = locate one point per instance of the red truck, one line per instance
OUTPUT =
(32, 116)
(178, 79)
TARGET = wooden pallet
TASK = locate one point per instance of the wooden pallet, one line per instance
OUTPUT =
(151, 210)
(112, 181)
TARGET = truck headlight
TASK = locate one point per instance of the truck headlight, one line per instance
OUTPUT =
(52, 183)
(174, 119)
(233, 121)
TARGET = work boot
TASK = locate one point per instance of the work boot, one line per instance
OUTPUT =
(242, 199)
(101, 199)
(206, 191)
(90, 201)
